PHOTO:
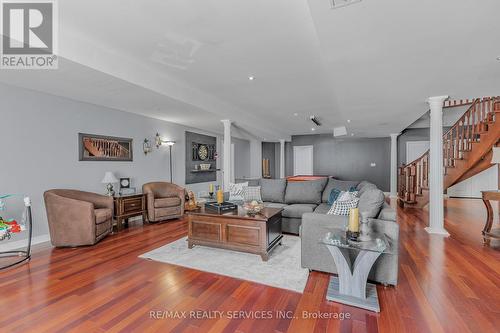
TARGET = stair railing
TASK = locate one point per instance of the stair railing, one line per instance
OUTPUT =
(414, 176)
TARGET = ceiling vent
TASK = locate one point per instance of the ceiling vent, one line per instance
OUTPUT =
(339, 131)
(342, 3)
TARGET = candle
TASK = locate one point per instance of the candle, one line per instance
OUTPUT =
(354, 220)
(220, 196)
(211, 188)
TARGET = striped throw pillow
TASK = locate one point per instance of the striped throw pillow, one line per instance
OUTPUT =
(343, 207)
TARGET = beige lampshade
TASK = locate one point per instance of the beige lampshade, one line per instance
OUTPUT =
(495, 159)
(109, 178)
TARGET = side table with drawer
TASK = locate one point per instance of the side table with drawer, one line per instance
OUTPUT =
(127, 206)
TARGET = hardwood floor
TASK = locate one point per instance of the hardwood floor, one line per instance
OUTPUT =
(445, 285)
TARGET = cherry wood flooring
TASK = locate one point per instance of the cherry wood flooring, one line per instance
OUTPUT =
(446, 285)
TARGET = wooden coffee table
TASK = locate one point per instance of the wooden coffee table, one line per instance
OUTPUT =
(235, 230)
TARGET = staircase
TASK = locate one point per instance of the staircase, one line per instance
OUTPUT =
(467, 150)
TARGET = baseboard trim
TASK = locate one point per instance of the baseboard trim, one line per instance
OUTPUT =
(437, 231)
(10, 246)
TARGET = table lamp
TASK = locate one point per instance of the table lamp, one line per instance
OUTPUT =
(110, 179)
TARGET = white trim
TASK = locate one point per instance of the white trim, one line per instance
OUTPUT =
(10, 246)
(282, 158)
(437, 231)
(394, 164)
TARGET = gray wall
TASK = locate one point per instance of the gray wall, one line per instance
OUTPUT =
(241, 158)
(39, 148)
(198, 177)
(347, 159)
(412, 134)
(269, 152)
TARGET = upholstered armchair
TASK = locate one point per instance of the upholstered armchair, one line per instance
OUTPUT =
(78, 218)
(164, 201)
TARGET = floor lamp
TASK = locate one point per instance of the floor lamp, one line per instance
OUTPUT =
(169, 143)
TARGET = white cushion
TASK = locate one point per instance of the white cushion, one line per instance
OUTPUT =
(251, 193)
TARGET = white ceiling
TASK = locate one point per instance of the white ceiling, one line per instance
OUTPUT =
(188, 61)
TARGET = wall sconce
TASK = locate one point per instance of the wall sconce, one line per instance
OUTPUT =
(146, 146)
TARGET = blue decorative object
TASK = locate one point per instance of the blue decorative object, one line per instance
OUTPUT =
(334, 195)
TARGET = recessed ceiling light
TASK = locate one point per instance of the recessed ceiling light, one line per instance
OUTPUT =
(296, 114)
(313, 129)
(251, 77)
(348, 120)
(352, 134)
(498, 58)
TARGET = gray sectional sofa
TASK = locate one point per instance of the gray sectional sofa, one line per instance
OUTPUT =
(305, 207)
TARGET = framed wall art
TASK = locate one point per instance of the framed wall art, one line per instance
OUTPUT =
(93, 147)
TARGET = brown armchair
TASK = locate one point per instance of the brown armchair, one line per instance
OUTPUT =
(164, 201)
(78, 218)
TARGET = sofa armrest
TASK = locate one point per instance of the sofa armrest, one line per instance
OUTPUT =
(315, 220)
(71, 221)
(391, 231)
(99, 201)
(387, 213)
(150, 204)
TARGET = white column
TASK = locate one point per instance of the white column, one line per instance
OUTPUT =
(436, 170)
(394, 164)
(282, 158)
(255, 159)
(226, 169)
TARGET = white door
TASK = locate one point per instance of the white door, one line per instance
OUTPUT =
(302, 160)
(415, 149)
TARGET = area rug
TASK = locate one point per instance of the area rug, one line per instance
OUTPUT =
(282, 270)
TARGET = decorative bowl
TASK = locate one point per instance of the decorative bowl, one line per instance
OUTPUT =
(205, 166)
(253, 207)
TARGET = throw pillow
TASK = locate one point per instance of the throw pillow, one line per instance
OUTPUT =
(343, 207)
(338, 184)
(251, 193)
(273, 190)
(371, 202)
(334, 195)
(236, 191)
(346, 196)
(306, 192)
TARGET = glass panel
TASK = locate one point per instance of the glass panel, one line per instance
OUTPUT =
(378, 242)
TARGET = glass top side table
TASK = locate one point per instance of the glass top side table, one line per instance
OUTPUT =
(351, 287)
(15, 218)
